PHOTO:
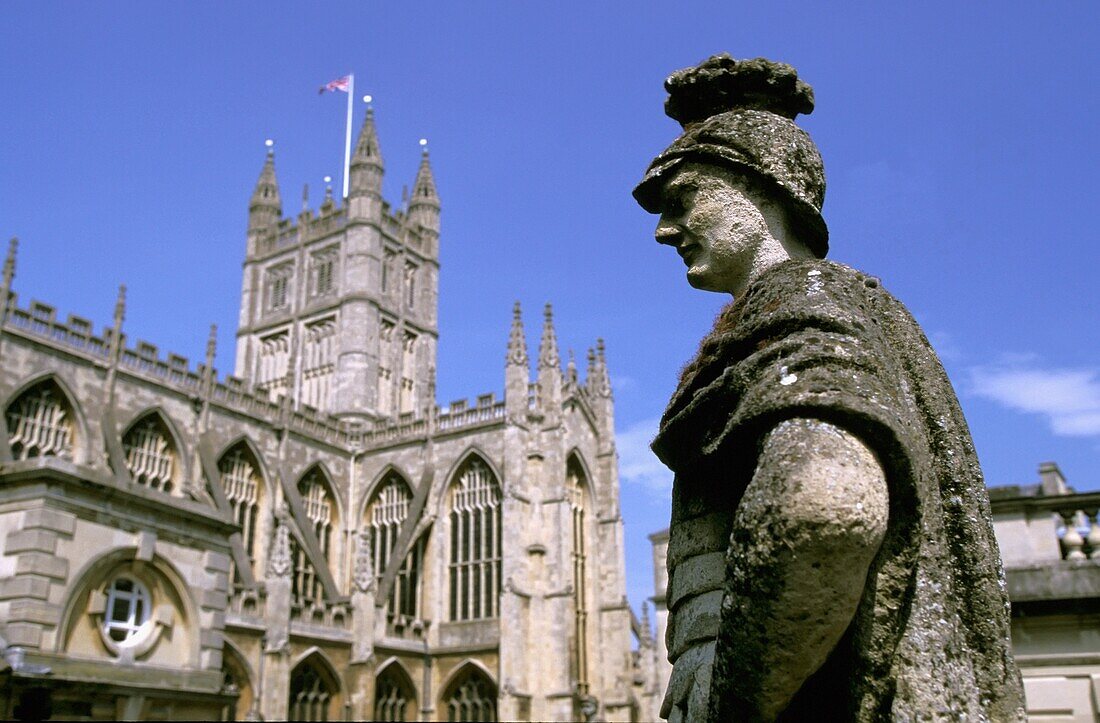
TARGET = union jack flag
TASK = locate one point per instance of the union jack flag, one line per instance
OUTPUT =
(335, 85)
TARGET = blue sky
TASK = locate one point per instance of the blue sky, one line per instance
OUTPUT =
(959, 141)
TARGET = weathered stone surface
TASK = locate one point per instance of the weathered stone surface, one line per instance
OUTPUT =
(697, 575)
(47, 519)
(41, 563)
(817, 426)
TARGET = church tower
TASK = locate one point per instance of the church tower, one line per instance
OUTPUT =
(339, 307)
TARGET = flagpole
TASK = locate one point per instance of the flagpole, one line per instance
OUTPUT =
(347, 135)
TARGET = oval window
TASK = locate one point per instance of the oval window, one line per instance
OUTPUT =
(128, 610)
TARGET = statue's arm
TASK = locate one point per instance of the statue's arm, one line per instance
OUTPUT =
(804, 537)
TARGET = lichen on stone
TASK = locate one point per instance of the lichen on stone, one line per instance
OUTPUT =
(721, 83)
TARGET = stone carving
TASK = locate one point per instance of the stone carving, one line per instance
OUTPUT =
(831, 551)
(279, 563)
(363, 575)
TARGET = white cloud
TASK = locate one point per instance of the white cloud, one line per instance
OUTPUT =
(1068, 398)
(638, 466)
(622, 383)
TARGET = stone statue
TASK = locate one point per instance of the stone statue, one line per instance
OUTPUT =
(831, 554)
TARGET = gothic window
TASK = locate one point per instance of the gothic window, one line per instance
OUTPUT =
(323, 271)
(128, 610)
(150, 454)
(40, 423)
(471, 697)
(320, 509)
(385, 370)
(387, 269)
(576, 486)
(474, 569)
(318, 362)
(277, 287)
(408, 372)
(410, 285)
(385, 514)
(273, 363)
(235, 680)
(313, 691)
(394, 696)
(244, 490)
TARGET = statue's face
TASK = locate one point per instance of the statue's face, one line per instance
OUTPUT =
(717, 224)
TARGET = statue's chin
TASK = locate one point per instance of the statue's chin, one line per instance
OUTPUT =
(701, 280)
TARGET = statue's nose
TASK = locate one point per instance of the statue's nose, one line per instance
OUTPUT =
(667, 232)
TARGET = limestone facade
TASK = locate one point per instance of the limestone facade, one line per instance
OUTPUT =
(313, 538)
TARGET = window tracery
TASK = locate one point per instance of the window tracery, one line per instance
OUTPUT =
(312, 692)
(277, 287)
(40, 424)
(472, 697)
(410, 285)
(576, 484)
(323, 271)
(128, 610)
(150, 454)
(272, 374)
(474, 562)
(319, 357)
(320, 509)
(408, 372)
(385, 516)
(243, 487)
(393, 696)
(385, 369)
(388, 259)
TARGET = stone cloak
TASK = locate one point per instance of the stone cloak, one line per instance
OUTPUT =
(819, 340)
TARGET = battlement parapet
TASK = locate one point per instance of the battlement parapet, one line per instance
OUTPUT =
(39, 321)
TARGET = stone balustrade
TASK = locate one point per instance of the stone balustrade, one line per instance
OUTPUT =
(1079, 531)
(1040, 528)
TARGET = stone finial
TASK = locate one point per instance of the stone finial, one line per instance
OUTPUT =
(265, 207)
(571, 370)
(211, 346)
(590, 372)
(424, 192)
(363, 574)
(548, 347)
(646, 637)
(305, 198)
(367, 149)
(278, 565)
(602, 381)
(120, 307)
(517, 340)
(9, 262)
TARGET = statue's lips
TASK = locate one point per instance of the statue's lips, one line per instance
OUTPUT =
(688, 252)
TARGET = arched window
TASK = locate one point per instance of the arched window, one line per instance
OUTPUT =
(320, 508)
(576, 486)
(40, 423)
(387, 511)
(313, 691)
(394, 695)
(475, 543)
(150, 454)
(471, 696)
(244, 489)
(235, 680)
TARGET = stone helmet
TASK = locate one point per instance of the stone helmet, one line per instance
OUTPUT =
(740, 114)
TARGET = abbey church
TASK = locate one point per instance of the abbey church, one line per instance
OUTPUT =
(312, 538)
